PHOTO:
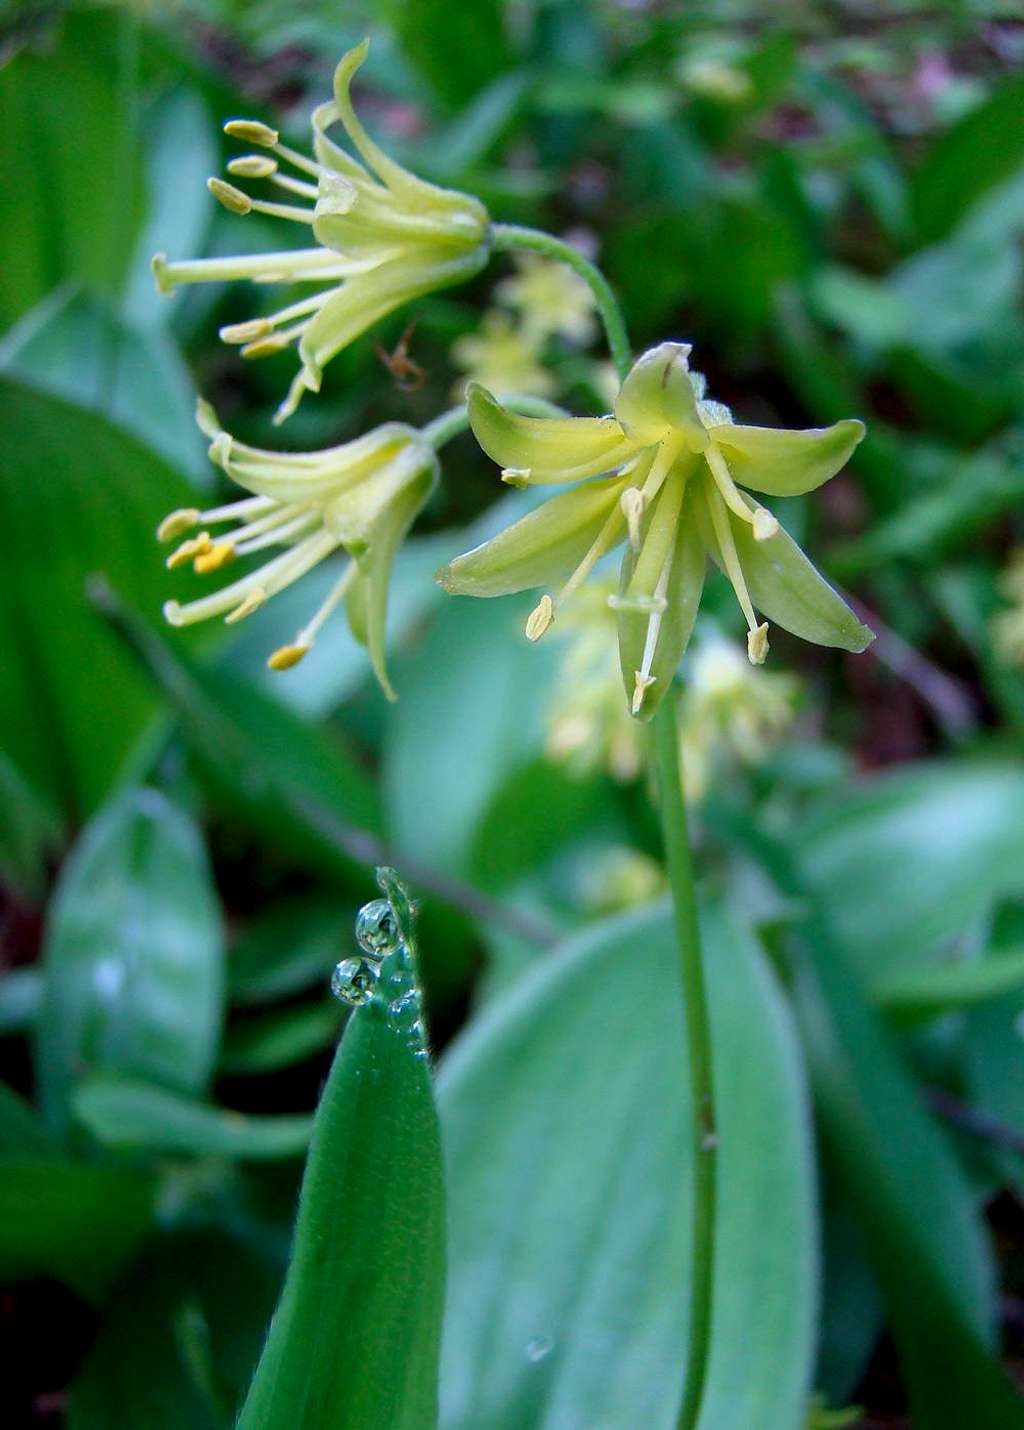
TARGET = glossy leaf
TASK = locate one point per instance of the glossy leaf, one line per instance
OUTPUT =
(80, 1224)
(916, 994)
(138, 1117)
(289, 948)
(355, 1337)
(280, 1038)
(133, 962)
(96, 510)
(564, 1107)
(909, 861)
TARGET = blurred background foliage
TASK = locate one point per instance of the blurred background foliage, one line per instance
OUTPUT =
(828, 201)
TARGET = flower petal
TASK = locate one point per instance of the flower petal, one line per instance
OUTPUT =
(540, 549)
(366, 601)
(546, 449)
(682, 595)
(657, 399)
(784, 463)
(787, 588)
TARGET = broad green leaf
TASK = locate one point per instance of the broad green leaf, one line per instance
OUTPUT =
(133, 960)
(72, 159)
(280, 1038)
(919, 993)
(977, 153)
(290, 779)
(906, 863)
(564, 1108)
(80, 1224)
(468, 715)
(77, 495)
(78, 348)
(138, 1117)
(293, 945)
(915, 1210)
(355, 1338)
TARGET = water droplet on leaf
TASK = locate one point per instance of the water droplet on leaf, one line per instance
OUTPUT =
(537, 1347)
(354, 980)
(377, 929)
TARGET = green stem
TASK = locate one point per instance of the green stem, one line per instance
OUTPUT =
(456, 419)
(665, 751)
(509, 236)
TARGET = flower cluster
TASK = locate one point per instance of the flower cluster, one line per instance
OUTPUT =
(384, 237)
(661, 477)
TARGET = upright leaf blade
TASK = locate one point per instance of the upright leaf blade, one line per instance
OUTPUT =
(133, 963)
(564, 1109)
(355, 1338)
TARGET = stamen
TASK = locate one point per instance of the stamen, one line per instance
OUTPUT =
(178, 522)
(252, 131)
(516, 476)
(300, 161)
(643, 677)
(234, 200)
(279, 534)
(668, 450)
(291, 212)
(727, 487)
(641, 684)
(187, 550)
(311, 629)
(286, 656)
(252, 166)
(252, 602)
(219, 554)
(765, 524)
(757, 644)
(268, 346)
(540, 618)
(272, 577)
(246, 332)
(294, 186)
(733, 569)
(238, 510)
(606, 538)
(633, 503)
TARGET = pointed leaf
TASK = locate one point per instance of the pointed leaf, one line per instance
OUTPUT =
(133, 962)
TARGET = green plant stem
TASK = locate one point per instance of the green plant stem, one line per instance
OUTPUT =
(449, 424)
(665, 752)
(509, 237)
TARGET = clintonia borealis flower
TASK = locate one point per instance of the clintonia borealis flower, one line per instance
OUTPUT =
(384, 237)
(361, 497)
(677, 463)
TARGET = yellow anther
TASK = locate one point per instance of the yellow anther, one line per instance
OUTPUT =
(757, 644)
(642, 683)
(632, 502)
(188, 550)
(246, 332)
(219, 554)
(177, 523)
(286, 656)
(265, 347)
(765, 525)
(252, 166)
(252, 131)
(540, 618)
(252, 602)
(233, 199)
(516, 476)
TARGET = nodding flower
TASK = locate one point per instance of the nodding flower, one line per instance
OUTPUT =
(359, 498)
(383, 237)
(663, 476)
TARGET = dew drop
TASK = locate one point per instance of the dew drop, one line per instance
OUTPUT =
(354, 980)
(377, 929)
(537, 1347)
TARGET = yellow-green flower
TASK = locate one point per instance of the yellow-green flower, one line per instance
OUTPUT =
(1008, 624)
(503, 357)
(360, 498)
(551, 300)
(384, 237)
(677, 463)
